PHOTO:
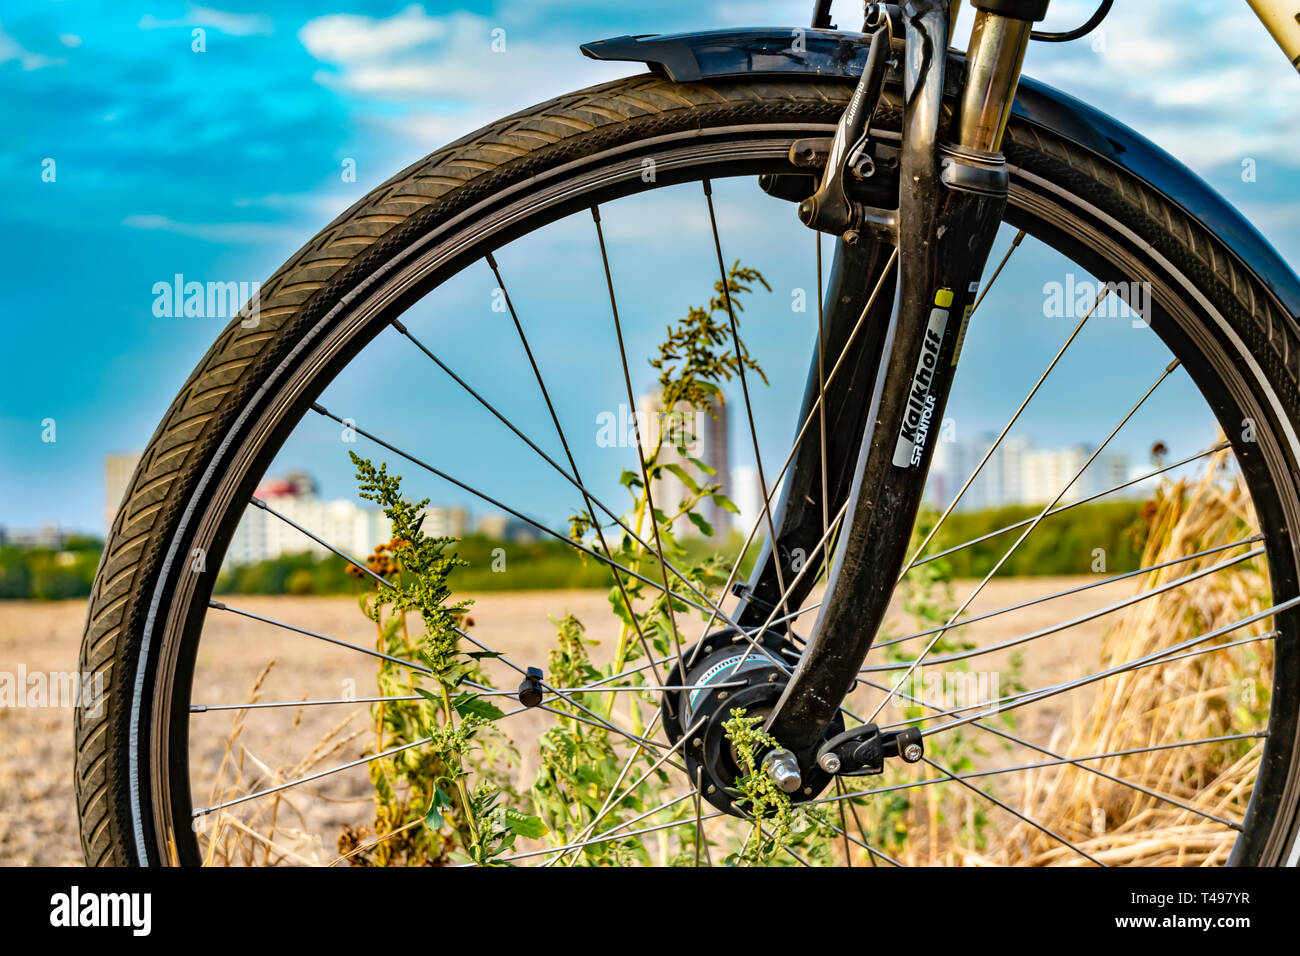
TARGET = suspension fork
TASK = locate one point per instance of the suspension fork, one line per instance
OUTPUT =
(836, 401)
(952, 193)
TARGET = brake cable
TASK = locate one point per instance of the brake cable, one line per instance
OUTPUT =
(821, 20)
(1089, 25)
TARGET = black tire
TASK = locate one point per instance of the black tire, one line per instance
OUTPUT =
(429, 221)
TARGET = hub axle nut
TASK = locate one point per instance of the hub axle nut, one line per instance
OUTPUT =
(783, 767)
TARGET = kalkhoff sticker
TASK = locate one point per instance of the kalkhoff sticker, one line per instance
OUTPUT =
(921, 401)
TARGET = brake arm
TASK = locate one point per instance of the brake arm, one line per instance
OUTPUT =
(830, 209)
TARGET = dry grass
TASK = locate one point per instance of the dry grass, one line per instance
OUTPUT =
(37, 809)
(1208, 695)
(275, 832)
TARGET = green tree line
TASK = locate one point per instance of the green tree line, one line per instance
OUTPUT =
(1087, 539)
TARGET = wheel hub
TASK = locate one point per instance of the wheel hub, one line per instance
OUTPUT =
(725, 673)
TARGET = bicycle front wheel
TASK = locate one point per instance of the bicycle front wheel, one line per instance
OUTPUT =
(1198, 774)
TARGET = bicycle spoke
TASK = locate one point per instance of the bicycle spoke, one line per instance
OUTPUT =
(1014, 812)
(994, 707)
(640, 451)
(1081, 619)
(699, 828)
(603, 724)
(1015, 244)
(360, 565)
(1075, 590)
(206, 708)
(611, 802)
(862, 843)
(1016, 701)
(1014, 417)
(1025, 767)
(622, 775)
(573, 465)
(1014, 738)
(370, 651)
(857, 821)
(578, 845)
(741, 354)
(1028, 531)
(203, 811)
(598, 720)
(1074, 504)
(844, 826)
(537, 525)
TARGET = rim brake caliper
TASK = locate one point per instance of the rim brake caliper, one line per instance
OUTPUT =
(830, 208)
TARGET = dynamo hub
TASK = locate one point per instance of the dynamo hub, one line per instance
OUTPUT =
(725, 673)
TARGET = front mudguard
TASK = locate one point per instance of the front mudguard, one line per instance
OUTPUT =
(800, 50)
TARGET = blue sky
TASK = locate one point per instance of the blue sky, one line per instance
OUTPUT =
(219, 164)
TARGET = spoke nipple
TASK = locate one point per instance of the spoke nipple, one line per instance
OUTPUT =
(530, 688)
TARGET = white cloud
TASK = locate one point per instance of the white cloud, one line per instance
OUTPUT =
(443, 69)
(350, 38)
(222, 232)
(232, 24)
(10, 49)
(1204, 82)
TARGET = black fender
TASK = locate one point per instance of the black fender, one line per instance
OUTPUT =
(784, 50)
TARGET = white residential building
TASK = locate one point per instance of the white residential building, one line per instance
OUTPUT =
(261, 536)
(705, 438)
(353, 528)
(1018, 473)
(118, 470)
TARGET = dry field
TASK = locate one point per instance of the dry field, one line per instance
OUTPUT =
(37, 812)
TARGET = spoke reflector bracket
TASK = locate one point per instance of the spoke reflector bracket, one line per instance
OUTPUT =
(530, 688)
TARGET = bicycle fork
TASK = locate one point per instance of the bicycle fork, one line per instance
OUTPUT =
(951, 197)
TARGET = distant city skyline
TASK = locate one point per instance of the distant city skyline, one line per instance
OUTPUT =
(1018, 473)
